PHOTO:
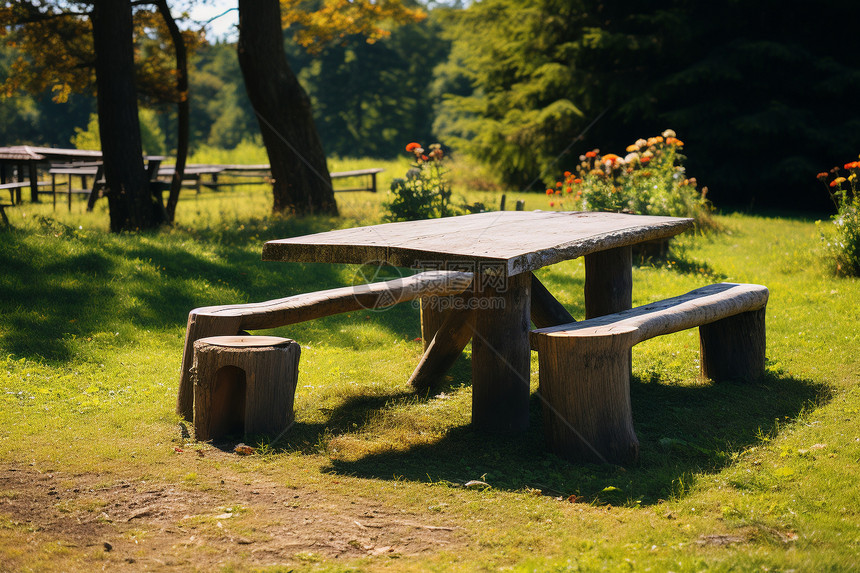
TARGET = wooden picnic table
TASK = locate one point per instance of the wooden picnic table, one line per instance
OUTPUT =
(502, 249)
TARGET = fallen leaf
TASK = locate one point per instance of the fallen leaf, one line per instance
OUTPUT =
(243, 450)
(381, 550)
(476, 483)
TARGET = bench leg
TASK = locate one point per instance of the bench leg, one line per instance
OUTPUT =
(198, 327)
(734, 348)
(585, 390)
(446, 346)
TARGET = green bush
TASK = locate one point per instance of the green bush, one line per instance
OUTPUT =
(649, 180)
(151, 137)
(424, 193)
(843, 241)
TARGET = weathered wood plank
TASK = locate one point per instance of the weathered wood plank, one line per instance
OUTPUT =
(516, 241)
(700, 306)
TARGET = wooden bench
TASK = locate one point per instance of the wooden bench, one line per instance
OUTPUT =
(231, 320)
(14, 197)
(14, 189)
(370, 173)
(585, 366)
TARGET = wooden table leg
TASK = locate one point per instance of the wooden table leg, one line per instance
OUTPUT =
(501, 356)
(34, 181)
(608, 281)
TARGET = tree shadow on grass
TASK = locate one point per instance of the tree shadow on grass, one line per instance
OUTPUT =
(60, 284)
(683, 431)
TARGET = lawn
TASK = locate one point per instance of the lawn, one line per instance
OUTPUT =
(96, 470)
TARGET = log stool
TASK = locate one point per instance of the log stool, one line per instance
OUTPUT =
(243, 384)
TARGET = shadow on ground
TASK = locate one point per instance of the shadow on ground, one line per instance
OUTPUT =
(60, 284)
(682, 430)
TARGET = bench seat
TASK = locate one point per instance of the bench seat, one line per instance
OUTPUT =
(230, 320)
(585, 366)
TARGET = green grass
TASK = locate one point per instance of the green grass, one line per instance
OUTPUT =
(91, 330)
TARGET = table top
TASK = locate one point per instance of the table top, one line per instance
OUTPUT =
(511, 242)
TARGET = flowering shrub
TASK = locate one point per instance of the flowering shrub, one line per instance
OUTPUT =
(423, 193)
(844, 242)
(649, 180)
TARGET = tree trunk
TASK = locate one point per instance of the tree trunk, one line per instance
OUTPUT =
(301, 179)
(129, 198)
(182, 108)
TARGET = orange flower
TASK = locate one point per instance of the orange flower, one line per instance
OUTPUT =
(577, 180)
(644, 159)
(567, 174)
(675, 141)
(569, 189)
(558, 183)
(632, 148)
(822, 176)
(610, 158)
(549, 191)
(410, 147)
(591, 154)
(852, 165)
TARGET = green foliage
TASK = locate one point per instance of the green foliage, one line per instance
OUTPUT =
(368, 97)
(424, 193)
(37, 119)
(843, 239)
(510, 92)
(91, 331)
(768, 90)
(649, 180)
(151, 136)
(221, 114)
(771, 89)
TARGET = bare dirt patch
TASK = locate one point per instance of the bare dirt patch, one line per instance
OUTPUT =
(133, 525)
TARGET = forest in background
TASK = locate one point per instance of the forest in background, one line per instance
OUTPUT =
(763, 93)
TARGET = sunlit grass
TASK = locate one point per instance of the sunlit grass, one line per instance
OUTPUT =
(91, 330)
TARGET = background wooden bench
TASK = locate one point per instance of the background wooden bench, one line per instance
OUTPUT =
(369, 173)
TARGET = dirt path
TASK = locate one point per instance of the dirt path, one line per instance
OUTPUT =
(128, 525)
